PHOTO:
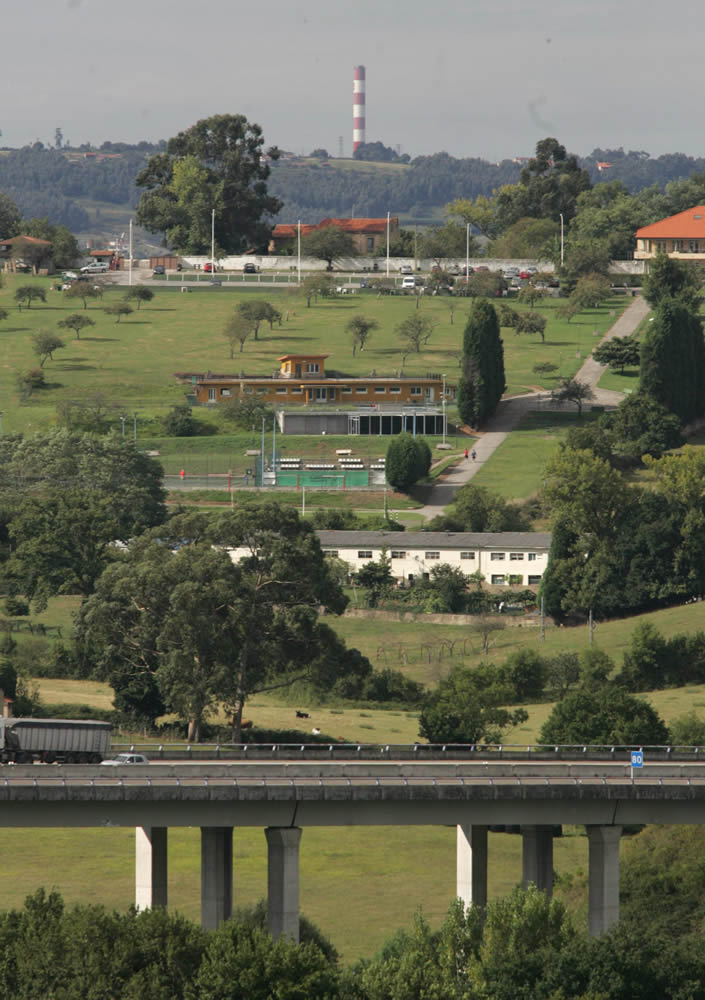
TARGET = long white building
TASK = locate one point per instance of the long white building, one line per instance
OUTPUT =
(511, 558)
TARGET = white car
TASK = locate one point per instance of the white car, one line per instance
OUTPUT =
(406, 269)
(95, 267)
(408, 284)
(125, 758)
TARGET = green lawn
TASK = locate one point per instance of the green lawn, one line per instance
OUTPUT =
(131, 363)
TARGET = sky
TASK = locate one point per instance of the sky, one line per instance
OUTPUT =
(485, 78)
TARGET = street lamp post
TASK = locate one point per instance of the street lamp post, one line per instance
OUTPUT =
(467, 252)
(298, 241)
(561, 218)
(129, 273)
(134, 427)
(122, 421)
(388, 244)
(213, 241)
(444, 409)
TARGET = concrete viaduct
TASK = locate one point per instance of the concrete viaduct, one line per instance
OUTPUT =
(284, 796)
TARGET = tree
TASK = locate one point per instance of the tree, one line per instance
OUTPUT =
(474, 508)
(483, 381)
(30, 294)
(672, 279)
(254, 312)
(118, 309)
(591, 290)
(3, 314)
(480, 213)
(223, 160)
(531, 322)
(467, 707)
(447, 241)
(525, 238)
(246, 412)
(545, 369)
(605, 717)
(10, 218)
(76, 322)
(618, 353)
(140, 293)
(82, 290)
(549, 186)
(586, 493)
(415, 330)
(180, 422)
(530, 294)
(527, 672)
(328, 244)
(376, 578)
(408, 460)
(360, 327)
(445, 592)
(314, 285)
(572, 390)
(673, 359)
(258, 617)
(236, 331)
(44, 344)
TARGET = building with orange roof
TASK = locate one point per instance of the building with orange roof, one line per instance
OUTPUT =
(681, 236)
(23, 252)
(368, 234)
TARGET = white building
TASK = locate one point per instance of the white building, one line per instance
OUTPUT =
(504, 558)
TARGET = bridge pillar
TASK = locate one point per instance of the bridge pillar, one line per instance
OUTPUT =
(283, 881)
(471, 864)
(537, 857)
(603, 878)
(150, 866)
(216, 875)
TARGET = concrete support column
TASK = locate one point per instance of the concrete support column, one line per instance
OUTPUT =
(537, 857)
(471, 864)
(216, 875)
(150, 866)
(283, 881)
(603, 878)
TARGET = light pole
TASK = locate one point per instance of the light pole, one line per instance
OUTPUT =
(388, 244)
(561, 218)
(213, 241)
(298, 240)
(467, 252)
(129, 265)
(122, 421)
(444, 409)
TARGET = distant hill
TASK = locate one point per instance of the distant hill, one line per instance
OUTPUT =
(93, 190)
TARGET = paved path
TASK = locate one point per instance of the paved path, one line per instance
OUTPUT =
(512, 411)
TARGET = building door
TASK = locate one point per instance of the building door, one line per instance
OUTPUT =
(297, 371)
(429, 393)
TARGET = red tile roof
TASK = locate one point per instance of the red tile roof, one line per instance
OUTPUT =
(18, 240)
(284, 231)
(302, 357)
(359, 225)
(684, 225)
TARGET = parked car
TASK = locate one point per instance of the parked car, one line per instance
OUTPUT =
(95, 267)
(525, 275)
(126, 758)
(511, 272)
(408, 283)
(454, 269)
(406, 269)
(159, 269)
(209, 267)
(249, 269)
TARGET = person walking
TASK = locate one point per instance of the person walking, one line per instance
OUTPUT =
(474, 454)
(466, 453)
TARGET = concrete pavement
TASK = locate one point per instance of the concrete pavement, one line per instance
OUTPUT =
(511, 411)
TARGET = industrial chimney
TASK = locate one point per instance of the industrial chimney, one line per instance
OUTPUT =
(358, 106)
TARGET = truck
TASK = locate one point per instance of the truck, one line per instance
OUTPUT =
(54, 741)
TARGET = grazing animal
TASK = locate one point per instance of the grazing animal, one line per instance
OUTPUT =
(301, 715)
(247, 724)
(316, 732)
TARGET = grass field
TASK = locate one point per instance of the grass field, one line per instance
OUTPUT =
(132, 362)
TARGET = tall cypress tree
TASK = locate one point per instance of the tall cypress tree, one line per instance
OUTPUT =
(483, 381)
(673, 360)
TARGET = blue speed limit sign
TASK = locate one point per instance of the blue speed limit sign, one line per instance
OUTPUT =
(637, 758)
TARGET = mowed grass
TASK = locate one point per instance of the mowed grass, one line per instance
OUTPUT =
(132, 363)
(384, 874)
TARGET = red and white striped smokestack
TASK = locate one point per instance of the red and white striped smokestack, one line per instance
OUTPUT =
(358, 106)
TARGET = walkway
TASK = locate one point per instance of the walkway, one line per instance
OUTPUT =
(511, 411)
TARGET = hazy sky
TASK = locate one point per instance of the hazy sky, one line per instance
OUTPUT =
(473, 77)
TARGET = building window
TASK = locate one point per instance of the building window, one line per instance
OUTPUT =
(212, 395)
(370, 243)
(380, 389)
(497, 556)
(226, 392)
(467, 555)
(320, 393)
(516, 578)
(531, 556)
(333, 553)
(534, 579)
(416, 390)
(248, 390)
(498, 579)
(395, 389)
(345, 390)
(364, 554)
(398, 554)
(282, 392)
(262, 390)
(516, 556)
(432, 555)
(360, 388)
(312, 367)
(296, 390)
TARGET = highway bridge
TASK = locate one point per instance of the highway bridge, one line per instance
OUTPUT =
(286, 789)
